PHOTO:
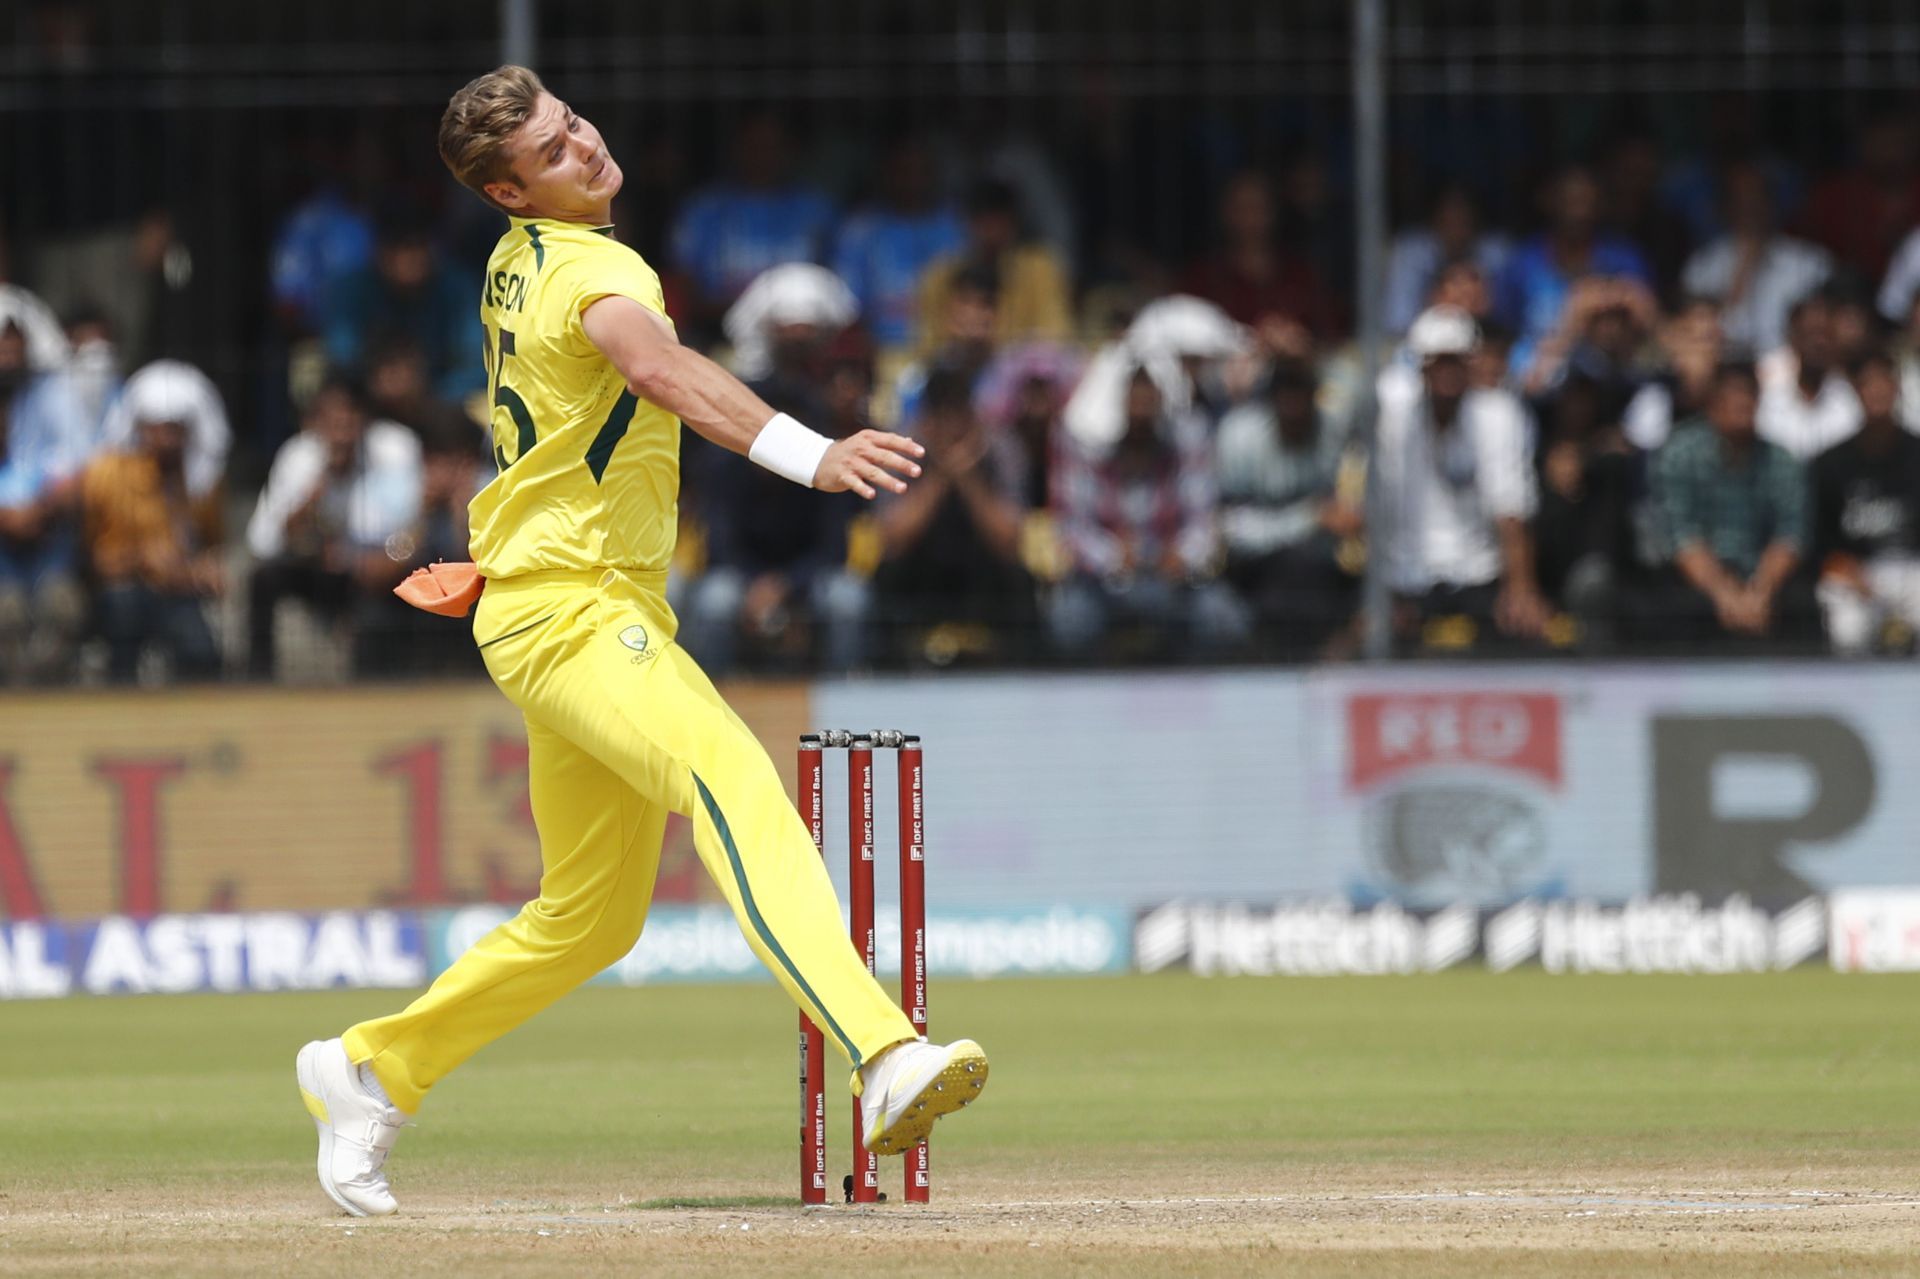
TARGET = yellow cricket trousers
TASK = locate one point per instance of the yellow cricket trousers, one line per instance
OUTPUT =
(623, 728)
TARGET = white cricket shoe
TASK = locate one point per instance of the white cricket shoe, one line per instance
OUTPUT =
(912, 1084)
(357, 1128)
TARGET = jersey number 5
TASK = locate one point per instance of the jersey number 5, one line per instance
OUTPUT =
(599, 453)
(505, 397)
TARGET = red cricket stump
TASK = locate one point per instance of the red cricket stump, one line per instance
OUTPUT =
(866, 1164)
(813, 1044)
(863, 1184)
(913, 927)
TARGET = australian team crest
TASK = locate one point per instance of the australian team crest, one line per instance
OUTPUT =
(635, 637)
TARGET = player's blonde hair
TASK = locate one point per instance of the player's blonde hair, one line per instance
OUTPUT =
(478, 121)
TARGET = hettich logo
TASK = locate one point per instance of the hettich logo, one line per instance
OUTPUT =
(1665, 934)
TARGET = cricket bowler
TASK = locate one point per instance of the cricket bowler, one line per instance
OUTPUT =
(571, 542)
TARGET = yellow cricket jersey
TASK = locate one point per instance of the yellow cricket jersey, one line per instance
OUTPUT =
(589, 474)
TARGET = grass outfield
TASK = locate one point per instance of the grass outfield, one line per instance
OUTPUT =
(1460, 1124)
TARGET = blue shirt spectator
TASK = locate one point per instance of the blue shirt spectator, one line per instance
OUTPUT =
(25, 475)
(407, 290)
(883, 251)
(730, 232)
(1451, 234)
(882, 255)
(49, 433)
(41, 606)
(324, 240)
(1533, 289)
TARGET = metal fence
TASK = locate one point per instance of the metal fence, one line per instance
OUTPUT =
(160, 154)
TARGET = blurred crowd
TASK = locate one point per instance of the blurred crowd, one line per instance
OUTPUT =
(1671, 408)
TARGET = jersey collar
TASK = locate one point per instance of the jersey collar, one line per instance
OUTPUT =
(517, 223)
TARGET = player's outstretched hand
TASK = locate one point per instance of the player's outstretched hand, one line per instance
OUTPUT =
(867, 462)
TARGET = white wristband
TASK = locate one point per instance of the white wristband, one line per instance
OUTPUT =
(789, 449)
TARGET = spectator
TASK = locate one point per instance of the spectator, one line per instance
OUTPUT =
(1863, 212)
(93, 370)
(1282, 519)
(392, 638)
(1465, 285)
(1026, 280)
(966, 341)
(1857, 330)
(1452, 235)
(1314, 221)
(1753, 271)
(46, 340)
(399, 384)
(777, 553)
(1599, 337)
(1462, 285)
(1490, 367)
(1906, 353)
(1023, 392)
(1588, 481)
(951, 544)
(49, 422)
(1866, 521)
(153, 536)
(1732, 508)
(406, 290)
(760, 217)
(1195, 354)
(1630, 173)
(66, 401)
(1542, 272)
(1691, 348)
(847, 383)
(1006, 149)
(793, 309)
(883, 251)
(337, 492)
(41, 604)
(1806, 403)
(1124, 241)
(1137, 509)
(1901, 288)
(1455, 489)
(183, 392)
(1693, 184)
(1252, 276)
(323, 241)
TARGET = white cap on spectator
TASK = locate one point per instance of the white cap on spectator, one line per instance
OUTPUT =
(1443, 330)
(174, 391)
(796, 293)
(46, 341)
(1184, 325)
(1166, 331)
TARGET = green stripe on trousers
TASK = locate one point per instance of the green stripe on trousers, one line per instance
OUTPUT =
(760, 923)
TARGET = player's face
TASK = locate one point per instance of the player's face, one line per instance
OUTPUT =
(560, 166)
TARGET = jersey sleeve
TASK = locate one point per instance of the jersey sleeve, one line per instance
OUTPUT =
(605, 269)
